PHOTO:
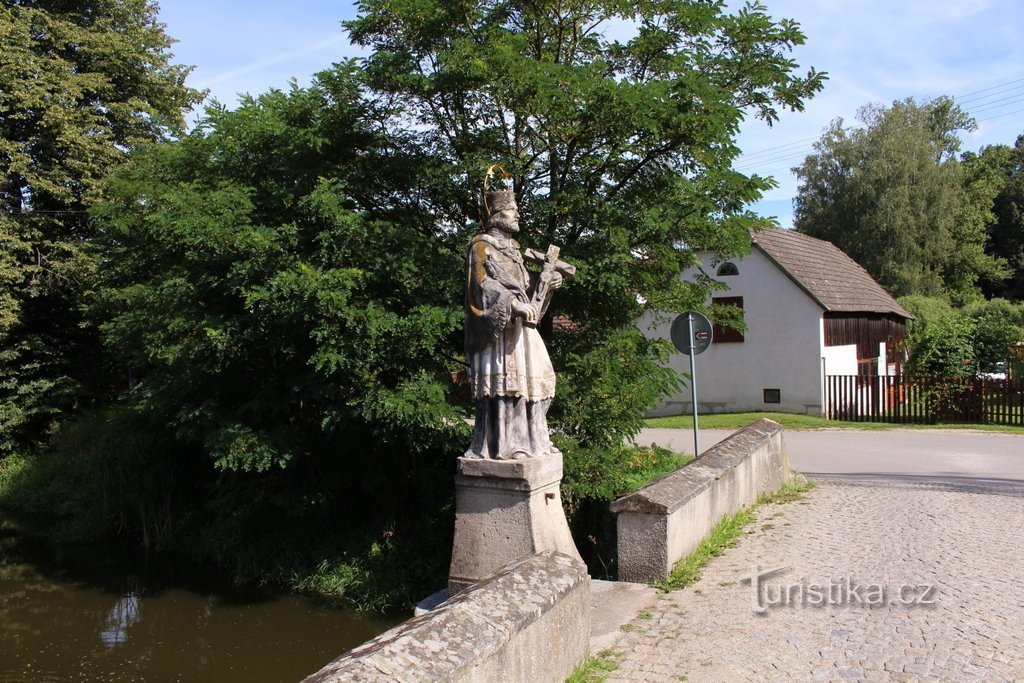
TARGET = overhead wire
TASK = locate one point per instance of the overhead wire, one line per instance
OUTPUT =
(785, 152)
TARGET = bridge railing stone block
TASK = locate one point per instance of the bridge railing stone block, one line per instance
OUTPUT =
(528, 622)
(666, 520)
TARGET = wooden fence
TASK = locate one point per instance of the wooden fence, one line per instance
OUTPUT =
(921, 400)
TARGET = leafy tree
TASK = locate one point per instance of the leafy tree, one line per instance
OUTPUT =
(273, 320)
(81, 83)
(1004, 167)
(617, 123)
(893, 196)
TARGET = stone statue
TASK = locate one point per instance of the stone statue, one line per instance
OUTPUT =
(510, 374)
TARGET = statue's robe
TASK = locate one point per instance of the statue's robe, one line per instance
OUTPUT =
(510, 373)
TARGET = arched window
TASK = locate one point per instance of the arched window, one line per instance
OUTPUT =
(728, 268)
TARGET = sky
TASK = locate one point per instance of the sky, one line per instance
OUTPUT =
(875, 51)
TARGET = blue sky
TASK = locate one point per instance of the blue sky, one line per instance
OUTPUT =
(874, 51)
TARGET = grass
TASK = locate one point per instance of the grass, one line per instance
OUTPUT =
(804, 422)
(594, 669)
(726, 535)
(792, 490)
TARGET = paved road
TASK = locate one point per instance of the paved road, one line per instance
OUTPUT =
(904, 564)
(967, 459)
(957, 555)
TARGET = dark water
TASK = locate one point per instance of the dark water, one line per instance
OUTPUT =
(103, 614)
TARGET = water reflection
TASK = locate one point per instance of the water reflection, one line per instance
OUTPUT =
(99, 613)
(124, 614)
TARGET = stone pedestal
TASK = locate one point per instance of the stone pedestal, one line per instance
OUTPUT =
(506, 510)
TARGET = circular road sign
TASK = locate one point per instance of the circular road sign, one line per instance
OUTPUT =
(702, 333)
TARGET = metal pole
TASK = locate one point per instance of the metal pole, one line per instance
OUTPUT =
(693, 386)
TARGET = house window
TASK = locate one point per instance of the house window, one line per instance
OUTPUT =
(773, 395)
(723, 334)
(728, 268)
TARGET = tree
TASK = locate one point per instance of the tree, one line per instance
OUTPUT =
(300, 342)
(1003, 167)
(893, 196)
(81, 83)
(617, 123)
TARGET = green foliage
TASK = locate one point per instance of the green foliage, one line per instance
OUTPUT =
(894, 197)
(302, 341)
(794, 489)
(108, 474)
(605, 390)
(1003, 167)
(261, 312)
(593, 477)
(946, 350)
(621, 149)
(80, 85)
(604, 474)
(946, 342)
(927, 310)
(999, 324)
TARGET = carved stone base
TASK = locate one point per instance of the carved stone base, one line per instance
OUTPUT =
(506, 510)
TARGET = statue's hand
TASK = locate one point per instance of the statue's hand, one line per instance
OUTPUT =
(556, 280)
(529, 312)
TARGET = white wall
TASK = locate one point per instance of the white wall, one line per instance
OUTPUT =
(840, 360)
(782, 347)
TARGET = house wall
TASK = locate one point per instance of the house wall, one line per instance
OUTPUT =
(782, 348)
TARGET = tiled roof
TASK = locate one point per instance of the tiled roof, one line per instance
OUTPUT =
(828, 275)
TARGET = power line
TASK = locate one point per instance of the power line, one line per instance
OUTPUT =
(999, 116)
(1007, 100)
(990, 95)
(1000, 85)
(754, 158)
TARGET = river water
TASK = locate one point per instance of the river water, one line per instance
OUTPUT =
(92, 613)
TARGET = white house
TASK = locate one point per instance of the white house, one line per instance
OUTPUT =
(810, 311)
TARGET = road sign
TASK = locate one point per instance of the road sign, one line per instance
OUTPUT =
(698, 339)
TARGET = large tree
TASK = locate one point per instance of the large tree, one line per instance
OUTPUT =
(617, 122)
(1002, 167)
(893, 195)
(81, 83)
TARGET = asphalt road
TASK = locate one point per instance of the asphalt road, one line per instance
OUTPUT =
(988, 461)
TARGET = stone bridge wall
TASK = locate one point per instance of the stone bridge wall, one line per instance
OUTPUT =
(528, 622)
(665, 521)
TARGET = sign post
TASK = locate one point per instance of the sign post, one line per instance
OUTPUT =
(692, 334)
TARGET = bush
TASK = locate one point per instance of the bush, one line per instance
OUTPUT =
(946, 350)
(998, 325)
(108, 474)
(593, 477)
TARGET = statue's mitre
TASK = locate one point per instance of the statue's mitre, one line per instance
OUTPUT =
(499, 200)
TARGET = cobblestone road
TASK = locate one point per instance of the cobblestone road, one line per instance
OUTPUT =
(966, 546)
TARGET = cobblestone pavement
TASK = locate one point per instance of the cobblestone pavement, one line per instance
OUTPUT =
(966, 546)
